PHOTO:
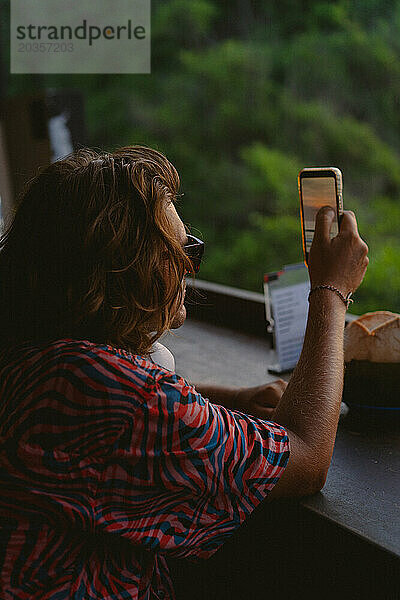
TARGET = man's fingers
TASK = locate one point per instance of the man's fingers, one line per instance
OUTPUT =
(323, 223)
(349, 222)
(276, 389)
(281, 383)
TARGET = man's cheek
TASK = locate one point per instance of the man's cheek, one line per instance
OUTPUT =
(179, 318)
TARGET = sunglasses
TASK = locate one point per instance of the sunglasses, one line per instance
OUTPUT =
(194, 250)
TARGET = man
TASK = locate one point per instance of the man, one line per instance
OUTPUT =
(109, 462)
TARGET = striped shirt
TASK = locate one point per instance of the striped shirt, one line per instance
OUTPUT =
(109, 464)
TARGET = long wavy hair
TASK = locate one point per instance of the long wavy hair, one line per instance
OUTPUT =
(91, 253)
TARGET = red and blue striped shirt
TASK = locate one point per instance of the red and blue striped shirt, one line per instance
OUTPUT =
(109, 464)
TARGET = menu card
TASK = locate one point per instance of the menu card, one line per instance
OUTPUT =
(286, 306)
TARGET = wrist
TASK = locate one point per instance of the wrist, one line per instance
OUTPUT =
(345, 298)
(327, 298)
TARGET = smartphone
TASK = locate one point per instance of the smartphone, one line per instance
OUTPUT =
(319, 186)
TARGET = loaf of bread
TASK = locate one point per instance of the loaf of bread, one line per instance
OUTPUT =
(374, 337)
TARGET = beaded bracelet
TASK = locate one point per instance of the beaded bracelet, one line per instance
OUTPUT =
(346, 299)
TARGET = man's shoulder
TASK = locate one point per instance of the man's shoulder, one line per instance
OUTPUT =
(82, 354)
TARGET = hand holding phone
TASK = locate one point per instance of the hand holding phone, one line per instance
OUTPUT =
(334, 252)
(342, 261)
(319, 186)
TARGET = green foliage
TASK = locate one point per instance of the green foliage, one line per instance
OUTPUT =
(379, 226)
(273, 177)
(268, 244)
(177, 15)
(244, 94)
(380, 288)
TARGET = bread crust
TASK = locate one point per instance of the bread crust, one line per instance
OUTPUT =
(374, 336)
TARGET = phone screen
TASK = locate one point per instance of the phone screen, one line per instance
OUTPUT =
(317, 192)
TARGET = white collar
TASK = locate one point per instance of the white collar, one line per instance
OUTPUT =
(163, 357)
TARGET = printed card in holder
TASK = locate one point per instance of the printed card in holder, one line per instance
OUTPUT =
(286, 306)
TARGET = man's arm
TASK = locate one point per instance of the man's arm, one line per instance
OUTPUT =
(218, 394)
(258, 401)
(309, 408)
